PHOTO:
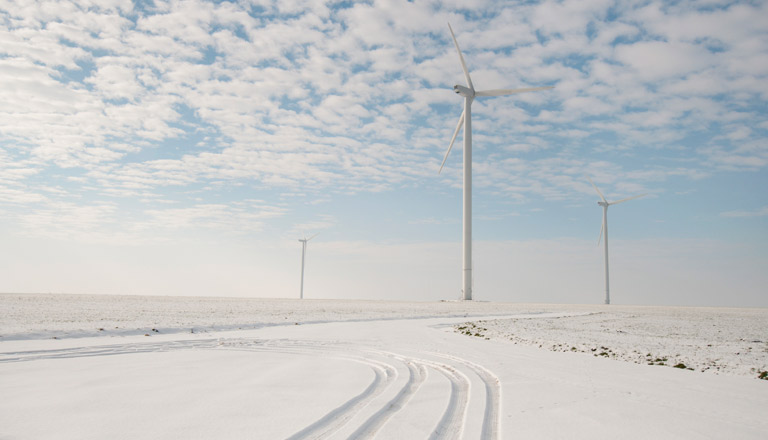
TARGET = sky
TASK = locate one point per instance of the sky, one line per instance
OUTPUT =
(183, 148)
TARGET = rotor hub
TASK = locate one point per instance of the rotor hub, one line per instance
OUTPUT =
(463, 91)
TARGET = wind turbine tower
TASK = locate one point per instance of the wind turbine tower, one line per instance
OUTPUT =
(469, 94)
(604, 232)
(303, 253)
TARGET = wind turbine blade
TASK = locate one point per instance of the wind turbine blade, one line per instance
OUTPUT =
(461, 58)
(310, 238)
(601, 233)
(502, 92)
(628, 198)
(455, 133)
(598, 191)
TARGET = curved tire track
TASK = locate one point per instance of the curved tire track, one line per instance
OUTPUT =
(417, 375)
(335, 419)
(491, 417)
(451, 424)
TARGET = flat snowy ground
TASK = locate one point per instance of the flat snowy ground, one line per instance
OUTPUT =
(119, 367)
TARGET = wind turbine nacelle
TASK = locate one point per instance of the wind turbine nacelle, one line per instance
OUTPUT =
(463, 91)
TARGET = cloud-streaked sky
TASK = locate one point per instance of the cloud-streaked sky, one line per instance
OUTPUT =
(182, 147)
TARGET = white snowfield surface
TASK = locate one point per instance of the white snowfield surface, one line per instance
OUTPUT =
(120, 367)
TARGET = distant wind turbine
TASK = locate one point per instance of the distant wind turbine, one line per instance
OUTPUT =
(465, 119)
(604, 232)
(303, 252)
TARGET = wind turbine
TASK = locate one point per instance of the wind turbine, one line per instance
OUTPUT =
(303, 252)
(465, 119)
(604, 232)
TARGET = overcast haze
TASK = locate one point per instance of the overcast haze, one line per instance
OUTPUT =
(182, 148)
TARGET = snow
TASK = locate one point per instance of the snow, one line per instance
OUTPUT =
(80, 367)
(721, 341)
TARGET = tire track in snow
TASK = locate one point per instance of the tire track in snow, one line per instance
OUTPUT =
(338, 417)
(491, 417)
(450, 426)
(384, 374)
(333, 421)
(417, 375)
(104, 350)
(452, 423)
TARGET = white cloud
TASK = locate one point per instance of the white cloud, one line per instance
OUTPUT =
(69, 221)
(240, 219)
(19, 196)
(749, 156)
(160, 101)
(566, 17)
(108, 223)
(763, 212)
(312, 227)
(116, 82)
(588, 105)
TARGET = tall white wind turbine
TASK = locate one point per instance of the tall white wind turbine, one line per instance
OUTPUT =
(604, 232)
(303, 252)
(465, 119)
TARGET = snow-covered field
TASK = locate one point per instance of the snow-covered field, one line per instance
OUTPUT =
(714, 340)
(126, 367)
